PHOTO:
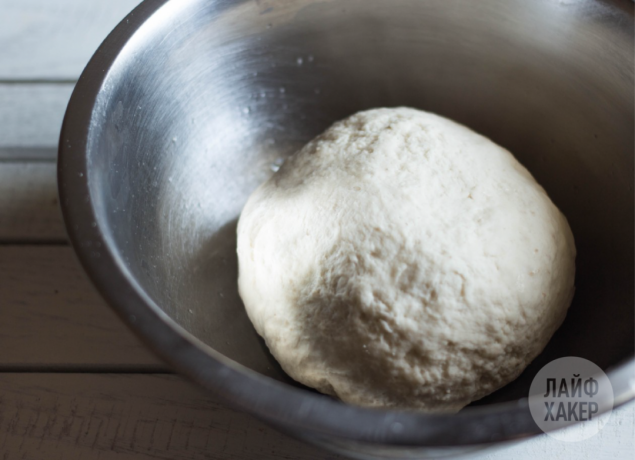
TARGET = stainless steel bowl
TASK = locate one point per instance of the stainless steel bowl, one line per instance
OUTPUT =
(189, 105)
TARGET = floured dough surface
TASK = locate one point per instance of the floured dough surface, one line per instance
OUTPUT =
(402, 260)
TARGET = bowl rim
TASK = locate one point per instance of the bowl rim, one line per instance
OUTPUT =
(278, 403)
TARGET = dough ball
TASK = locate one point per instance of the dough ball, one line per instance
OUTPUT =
(402, 260)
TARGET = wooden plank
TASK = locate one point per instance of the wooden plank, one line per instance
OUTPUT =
(31, 117)
(110, 416)
(144, 417)
(29, 209)
(54, 39)
(51, 315)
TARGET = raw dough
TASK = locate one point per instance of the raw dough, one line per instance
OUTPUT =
(402, 260)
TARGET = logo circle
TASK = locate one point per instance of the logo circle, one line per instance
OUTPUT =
(571, 391)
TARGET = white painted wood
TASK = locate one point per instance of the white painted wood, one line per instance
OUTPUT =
(54, 39)
(143, 417)
(50, 315)
(29, 209)
(130, 417)
(616, 441)
(31, 115)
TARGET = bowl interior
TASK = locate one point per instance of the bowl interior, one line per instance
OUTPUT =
(208, 97)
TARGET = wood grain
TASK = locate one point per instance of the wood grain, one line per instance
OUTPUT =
(29, 209)
(31, 117)
(124, 417)
(45, 40)
(51, 316)
(143, 417)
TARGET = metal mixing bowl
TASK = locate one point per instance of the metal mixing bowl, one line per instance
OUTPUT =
(190, 104)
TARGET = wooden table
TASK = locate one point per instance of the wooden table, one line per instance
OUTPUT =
(74, 382)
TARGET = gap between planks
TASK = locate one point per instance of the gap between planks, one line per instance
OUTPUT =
(28, 154)
(38, 81)
(83, 369)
